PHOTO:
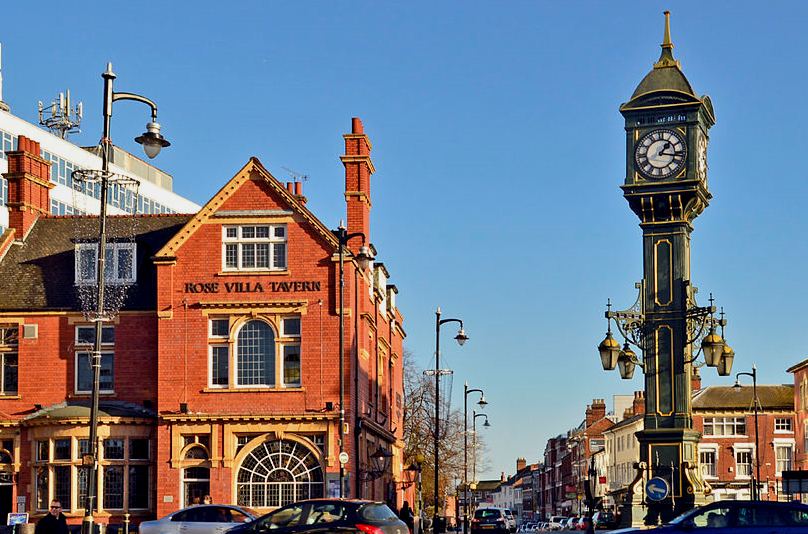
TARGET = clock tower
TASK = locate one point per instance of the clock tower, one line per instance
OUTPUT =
(667, 126)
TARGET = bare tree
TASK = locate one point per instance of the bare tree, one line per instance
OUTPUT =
(419, 433)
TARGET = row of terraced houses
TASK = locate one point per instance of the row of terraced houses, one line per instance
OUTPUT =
(605, 441)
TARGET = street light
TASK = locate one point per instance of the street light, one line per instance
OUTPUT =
(152, 142)
(461, 339)
(474, 445)
(482, 402)
(363, 258)
(755, 490)
(636, 330)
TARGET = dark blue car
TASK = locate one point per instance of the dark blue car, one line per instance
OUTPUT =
(738, 517)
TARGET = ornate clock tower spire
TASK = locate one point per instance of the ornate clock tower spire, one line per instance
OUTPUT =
(667, 128)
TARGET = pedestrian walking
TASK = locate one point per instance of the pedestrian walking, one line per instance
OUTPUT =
(54, 522)
(407, 516)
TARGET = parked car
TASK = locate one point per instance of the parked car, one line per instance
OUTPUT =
(583, 523)
(327, 515)
(199, 519)
(510, 520)
(489, 520)
(604, 519)
(572, 523)
(733, 517)
(555, 522)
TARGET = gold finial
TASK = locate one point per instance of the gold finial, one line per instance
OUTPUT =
(666, 58)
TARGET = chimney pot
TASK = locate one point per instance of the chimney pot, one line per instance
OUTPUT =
(298, 188)
(356, 126)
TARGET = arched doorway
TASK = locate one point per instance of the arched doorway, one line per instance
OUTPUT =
(279, 472)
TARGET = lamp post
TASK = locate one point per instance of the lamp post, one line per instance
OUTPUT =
(755, 488)
(364, 257)
(482, 402)
(152, 143)
(474, 445)
(461, 338)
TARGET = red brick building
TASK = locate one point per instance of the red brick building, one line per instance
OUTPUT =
(220, 374)
(800, 371)
(725, 417)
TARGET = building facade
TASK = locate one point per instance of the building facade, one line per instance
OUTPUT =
(220, 373)
(727, 457)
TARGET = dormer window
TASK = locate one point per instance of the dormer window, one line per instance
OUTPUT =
(254, 248)
(119, 266)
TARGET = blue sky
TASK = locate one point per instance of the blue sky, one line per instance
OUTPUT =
(499, 150)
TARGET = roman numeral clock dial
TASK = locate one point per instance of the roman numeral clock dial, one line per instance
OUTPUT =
(660, 154)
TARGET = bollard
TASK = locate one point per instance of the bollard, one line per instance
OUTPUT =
(125, 523)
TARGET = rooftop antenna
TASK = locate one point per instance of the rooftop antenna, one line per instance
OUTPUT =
(3, 105)
(296, 176)
(61, 119)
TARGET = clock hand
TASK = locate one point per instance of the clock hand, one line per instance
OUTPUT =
(661, 150)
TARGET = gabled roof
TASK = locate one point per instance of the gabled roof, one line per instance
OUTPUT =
(39, 273)
(773, 397)
(252, 170)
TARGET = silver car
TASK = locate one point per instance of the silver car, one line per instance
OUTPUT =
(199, 519)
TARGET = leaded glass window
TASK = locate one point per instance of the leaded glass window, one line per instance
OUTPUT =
(256, 354)
(277, 473)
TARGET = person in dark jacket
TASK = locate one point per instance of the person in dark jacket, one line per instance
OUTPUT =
(54, 522)
(406, 515)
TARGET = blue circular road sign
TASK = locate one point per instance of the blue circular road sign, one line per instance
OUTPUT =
(657, 489)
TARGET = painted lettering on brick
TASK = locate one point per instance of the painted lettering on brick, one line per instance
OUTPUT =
(251, 287)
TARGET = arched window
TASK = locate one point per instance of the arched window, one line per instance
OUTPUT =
(256, 355)
(277, 473)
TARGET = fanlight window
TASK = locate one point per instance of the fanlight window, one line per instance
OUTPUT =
(277, 473)
(196, 453)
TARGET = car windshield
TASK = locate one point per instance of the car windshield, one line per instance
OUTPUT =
(713, 517)
(486, 513)
(378, 512)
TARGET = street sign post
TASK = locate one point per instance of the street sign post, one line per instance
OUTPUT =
(657, 489)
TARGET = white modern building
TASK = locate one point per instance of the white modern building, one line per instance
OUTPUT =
(154, 194)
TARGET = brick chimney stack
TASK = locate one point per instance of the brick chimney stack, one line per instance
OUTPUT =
(521, 463)
(595, 412)
(28, 186)
(358, 168)
(638, 405)
(695, 379)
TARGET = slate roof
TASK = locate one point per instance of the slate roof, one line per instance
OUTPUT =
(625, 422)
(732, 398)
(39, 273)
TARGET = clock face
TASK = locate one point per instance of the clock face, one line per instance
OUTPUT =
(660, 154)
(701, 159)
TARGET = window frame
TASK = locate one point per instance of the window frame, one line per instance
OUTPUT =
(740, 449)
(714, 450)
(784, 444)
(272, 240)
(784, 428)
(722, 423)
(115, 278)
(48, 467)
(84, 350)
(9, 347)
